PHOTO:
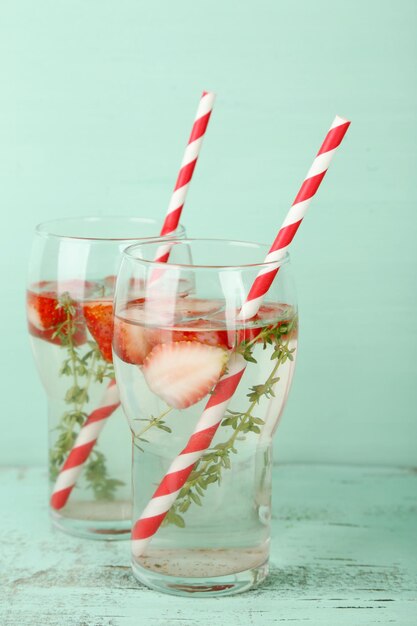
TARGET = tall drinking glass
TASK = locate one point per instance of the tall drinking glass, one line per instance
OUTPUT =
(170, 349)
(72, 274)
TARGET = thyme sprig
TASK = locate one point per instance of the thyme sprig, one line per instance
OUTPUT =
(82, 371)
(96, 475)
(208, 470)
(158, 422)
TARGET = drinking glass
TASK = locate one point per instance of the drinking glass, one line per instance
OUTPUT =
(170, 348)
(72, 274)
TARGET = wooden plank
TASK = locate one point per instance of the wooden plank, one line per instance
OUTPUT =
(344, 552)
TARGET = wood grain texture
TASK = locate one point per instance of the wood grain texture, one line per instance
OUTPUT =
(344, 552)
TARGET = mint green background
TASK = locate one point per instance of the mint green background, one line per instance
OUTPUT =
(97, 99)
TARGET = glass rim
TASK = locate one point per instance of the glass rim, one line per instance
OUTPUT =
(128, 252)
(45, 229)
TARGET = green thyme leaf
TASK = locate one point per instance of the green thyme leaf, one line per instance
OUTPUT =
(208, 470)
(82, 370)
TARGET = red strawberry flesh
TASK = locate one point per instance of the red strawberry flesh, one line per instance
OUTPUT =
(99, 319)
(130, 341)
(47, 319)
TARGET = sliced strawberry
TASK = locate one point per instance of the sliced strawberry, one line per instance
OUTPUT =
(234, 333)
(45, 317)
(206, 332)
(182, 373)
(197, 330)
(43, 311)
(99, 318)
(270, 314)
(197, 307)
(130, 341)
(276, 314)
(166, 311)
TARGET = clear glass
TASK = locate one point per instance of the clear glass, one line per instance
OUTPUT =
(170, 348)
(72, 274)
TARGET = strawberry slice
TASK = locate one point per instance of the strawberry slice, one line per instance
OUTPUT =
(99, 318)
(192, 308)
(130, 341)
(43, 310)
(234, 333)
(182, 373)
(197, 330)
(205, 331)
(270, 314)
(276, 314)
(44, 316)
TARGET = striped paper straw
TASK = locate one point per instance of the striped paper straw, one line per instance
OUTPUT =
(185, 174)
(166, 494)
(83, 445)
(79, 454)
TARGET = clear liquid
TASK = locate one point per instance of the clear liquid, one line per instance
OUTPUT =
(105, 513)
(230, 532)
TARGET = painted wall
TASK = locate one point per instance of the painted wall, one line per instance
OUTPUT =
(97, 99)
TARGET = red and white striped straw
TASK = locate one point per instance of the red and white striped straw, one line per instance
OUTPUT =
(89, 432)
(175, 478)
(83, 445)
(185, 174)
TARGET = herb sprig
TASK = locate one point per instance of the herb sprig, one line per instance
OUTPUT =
(157, 422)
(208, 470)
(82, 371)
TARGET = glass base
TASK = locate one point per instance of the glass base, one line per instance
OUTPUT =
(207, 587)
(90, 528)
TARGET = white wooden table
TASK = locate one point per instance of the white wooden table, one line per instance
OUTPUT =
(344, 552)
